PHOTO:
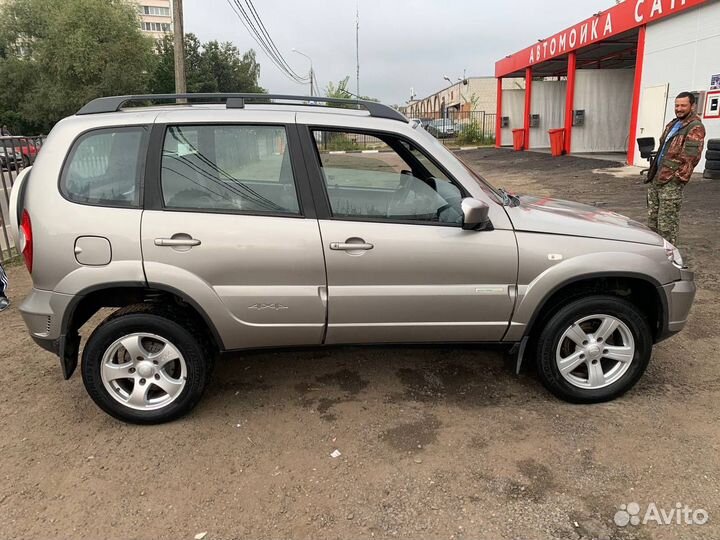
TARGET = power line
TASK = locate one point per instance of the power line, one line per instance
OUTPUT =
(259, 38)
(269, 46)
(256, 16)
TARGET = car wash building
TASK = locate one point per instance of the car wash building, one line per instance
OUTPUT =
(599, 85)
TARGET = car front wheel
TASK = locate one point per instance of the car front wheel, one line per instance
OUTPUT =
(594, 349)
(144, 368)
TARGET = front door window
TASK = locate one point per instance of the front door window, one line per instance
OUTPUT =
(382, 178)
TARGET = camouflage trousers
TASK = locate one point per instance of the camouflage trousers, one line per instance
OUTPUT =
(664, 202)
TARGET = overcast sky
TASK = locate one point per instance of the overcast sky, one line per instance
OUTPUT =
(403, 44)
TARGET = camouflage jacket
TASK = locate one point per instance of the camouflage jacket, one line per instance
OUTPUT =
(683, 152)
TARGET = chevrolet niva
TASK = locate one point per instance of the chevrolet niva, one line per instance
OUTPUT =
(229, 222)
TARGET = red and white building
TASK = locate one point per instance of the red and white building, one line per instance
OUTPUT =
(613, 77)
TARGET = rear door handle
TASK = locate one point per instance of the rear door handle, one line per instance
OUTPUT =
(341, 246)
(177, 242)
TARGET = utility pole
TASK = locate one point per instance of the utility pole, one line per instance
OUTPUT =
(357, 46)
(312, 72)
(180, 84)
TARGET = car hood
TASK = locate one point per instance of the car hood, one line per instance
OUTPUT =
(555, 216)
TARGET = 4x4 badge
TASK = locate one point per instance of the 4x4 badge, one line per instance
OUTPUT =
(276, 307)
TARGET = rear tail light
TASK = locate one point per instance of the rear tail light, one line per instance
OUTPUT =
(26, 240)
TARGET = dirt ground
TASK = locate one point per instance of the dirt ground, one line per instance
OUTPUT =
(435, 442)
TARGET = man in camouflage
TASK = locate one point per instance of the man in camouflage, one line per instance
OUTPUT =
(681, 146)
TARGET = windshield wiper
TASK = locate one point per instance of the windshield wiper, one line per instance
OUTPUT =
(508, 198)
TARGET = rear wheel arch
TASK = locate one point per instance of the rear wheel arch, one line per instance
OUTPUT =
(169, 302)
(142, 366)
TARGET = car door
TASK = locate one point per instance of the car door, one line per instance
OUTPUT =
(226, 225)
(400, 268)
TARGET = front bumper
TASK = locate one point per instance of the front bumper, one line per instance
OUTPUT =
(678, 298)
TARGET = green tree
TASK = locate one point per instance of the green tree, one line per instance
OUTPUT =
(209, 67)
(55, 56)
(341, 91)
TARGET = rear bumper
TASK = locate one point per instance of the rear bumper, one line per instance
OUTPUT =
(43, 312)
(678, 296)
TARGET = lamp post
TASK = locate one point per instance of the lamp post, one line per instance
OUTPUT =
(311, 69)
(461, 98)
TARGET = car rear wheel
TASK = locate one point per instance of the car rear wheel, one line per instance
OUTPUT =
(144, 368)
(594, 349)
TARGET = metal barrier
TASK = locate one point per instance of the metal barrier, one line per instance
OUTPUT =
(16, 153)
(454, 128)
(467, 128)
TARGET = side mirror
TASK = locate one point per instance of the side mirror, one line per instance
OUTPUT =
(475, 215)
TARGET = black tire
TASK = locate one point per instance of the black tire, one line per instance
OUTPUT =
(564, 319)
(713, 144)
(26, 161)
(198, 360)
(711, 175)
(711, 165)
(712, 155)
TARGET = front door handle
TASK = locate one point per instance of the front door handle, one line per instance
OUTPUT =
(177, 242)
(342, 246)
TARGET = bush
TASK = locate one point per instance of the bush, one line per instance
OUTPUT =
(472, 133)
(337, 142)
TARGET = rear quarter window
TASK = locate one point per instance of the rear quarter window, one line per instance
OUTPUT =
(105, 167)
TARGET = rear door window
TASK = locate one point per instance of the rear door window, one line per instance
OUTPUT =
(106, 166)
(241, 168)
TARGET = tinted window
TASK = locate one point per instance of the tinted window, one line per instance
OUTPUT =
(106, 167)
(394, 181)
(228, 168)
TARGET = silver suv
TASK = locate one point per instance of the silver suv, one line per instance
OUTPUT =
(238, 221)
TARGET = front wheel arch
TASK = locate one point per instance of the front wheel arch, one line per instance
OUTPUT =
(637, 289)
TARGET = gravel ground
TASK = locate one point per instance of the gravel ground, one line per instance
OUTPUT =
(441, 442)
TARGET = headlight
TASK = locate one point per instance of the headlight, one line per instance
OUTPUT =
(673, 254)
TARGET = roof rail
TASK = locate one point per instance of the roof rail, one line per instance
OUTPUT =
(237, 101)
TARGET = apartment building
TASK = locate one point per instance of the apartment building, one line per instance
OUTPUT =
(155, 17)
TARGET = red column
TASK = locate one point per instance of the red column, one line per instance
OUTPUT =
(570, 101)
(498, 117)
(528, 102)
(636, 94)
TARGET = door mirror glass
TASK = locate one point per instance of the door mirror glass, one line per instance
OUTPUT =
(475, 215)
